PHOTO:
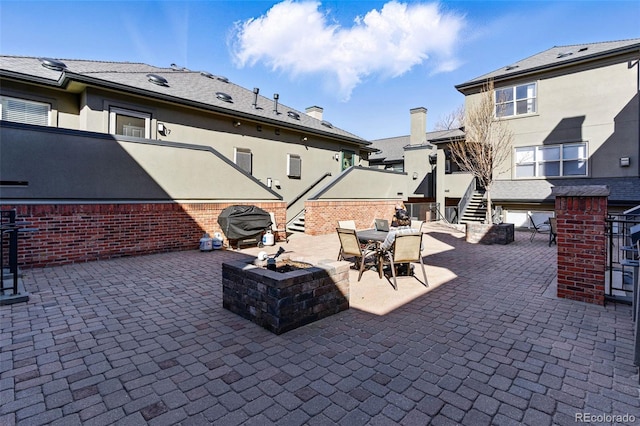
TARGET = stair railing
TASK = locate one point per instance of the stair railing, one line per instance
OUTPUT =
(466, 198)
(296, 199)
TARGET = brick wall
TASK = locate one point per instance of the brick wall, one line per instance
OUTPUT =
(68, 233)
(322, 216)
(581, 212)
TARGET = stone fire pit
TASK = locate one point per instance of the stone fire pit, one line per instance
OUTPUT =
(283, 301)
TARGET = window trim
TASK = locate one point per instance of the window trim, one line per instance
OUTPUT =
(537, 161)
(114, 111)
(240, 150)
(290, 172)
(514, 100)
(48, 105)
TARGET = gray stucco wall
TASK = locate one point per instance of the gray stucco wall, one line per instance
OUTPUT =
(56, 164)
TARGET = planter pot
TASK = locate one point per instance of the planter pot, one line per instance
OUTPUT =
(490, 234)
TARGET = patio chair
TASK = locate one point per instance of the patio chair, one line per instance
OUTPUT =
(417, 225)
(347, 224)
(553, 230)
(536, 227)
(406, 248)
(351, 247)
(275, 229)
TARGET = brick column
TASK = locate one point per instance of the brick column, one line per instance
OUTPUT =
(581, 213)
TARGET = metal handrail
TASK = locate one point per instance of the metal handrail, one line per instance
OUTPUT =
(466, 198)
(618, 256)
(306, 191)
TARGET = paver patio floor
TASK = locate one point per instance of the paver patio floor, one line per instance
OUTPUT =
(145, 340)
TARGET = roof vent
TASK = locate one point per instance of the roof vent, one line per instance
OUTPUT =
(157, 79)
(511, 67)
(275, 103)
(206, 74)
(294, 115)
(52, 64)
(326, 124)
(564, 54)
(582, 49)
(222, 78)
(256, 90)
(224, 97)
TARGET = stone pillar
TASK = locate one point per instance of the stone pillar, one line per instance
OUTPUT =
(581, 212)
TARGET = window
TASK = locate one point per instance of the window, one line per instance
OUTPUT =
(23, 111)
(129, 123)
(516, 100)
(551, 160)
(244, 159)
(294, 166)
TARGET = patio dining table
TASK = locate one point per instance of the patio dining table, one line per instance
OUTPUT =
(373, 236)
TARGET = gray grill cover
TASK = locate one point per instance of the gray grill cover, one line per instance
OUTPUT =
(239, 222)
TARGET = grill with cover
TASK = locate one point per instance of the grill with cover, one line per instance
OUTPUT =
(244, 224)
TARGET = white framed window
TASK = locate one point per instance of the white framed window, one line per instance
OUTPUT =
(24, 111)
(516, 100)
(570, 159)
(129, 123)
(243, 159)
(294, 166)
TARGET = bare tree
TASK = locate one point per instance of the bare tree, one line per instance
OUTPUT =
(452, 120)
(487, 142)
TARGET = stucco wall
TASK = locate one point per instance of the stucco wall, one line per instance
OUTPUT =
(68, 165)
(576, 107)
(365, 183)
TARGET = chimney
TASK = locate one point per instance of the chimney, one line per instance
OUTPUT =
(418, 125)
(315, 112)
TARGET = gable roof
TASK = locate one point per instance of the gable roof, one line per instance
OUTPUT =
(391, 150)
(193, 88)
(556, 57)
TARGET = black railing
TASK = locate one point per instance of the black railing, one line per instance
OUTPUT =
(466, 198)
(622, 259)
(429, 212)
(9, 250)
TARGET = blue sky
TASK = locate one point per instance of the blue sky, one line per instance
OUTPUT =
(367, 63)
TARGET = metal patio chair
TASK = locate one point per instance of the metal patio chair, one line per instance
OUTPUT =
(406, 249)
(350, 247)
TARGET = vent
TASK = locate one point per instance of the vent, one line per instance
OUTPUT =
(583, 49)
(157, 80)
(511, 67)
(224, 97)
(564, 54)
(256, 90)
(53, 64)
(326, 124)
(222, 78)
(293, 115)
(206, 74)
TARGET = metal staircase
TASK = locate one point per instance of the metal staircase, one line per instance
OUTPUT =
(476, 210)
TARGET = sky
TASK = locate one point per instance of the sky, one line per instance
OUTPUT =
(366, 63)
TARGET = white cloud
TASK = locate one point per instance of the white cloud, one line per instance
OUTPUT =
(298, 39)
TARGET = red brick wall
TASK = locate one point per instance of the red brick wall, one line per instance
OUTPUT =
(321, 217)
(581, 246)
(68, 233)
